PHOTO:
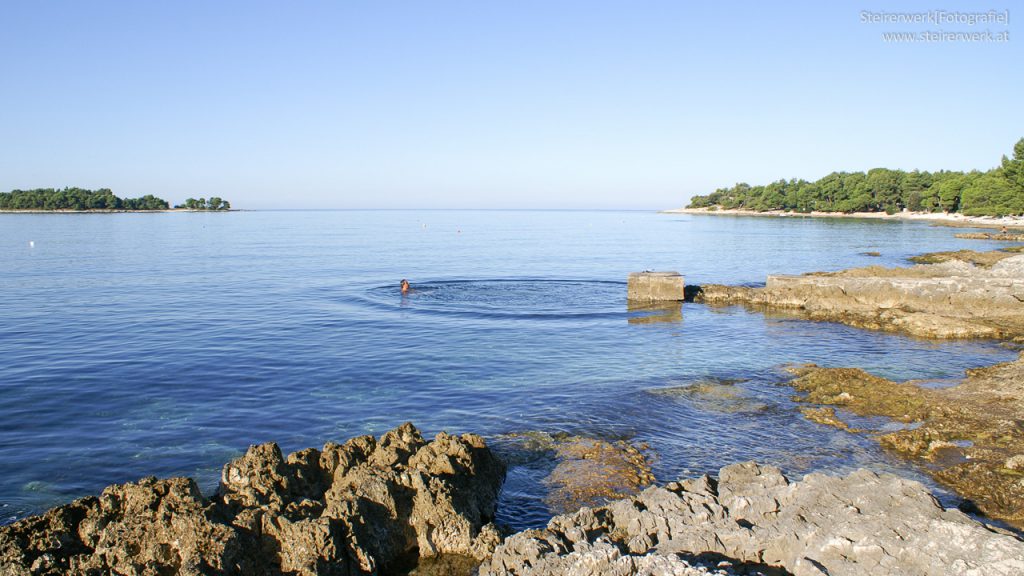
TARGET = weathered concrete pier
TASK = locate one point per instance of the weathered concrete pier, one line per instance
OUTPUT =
(650, 286)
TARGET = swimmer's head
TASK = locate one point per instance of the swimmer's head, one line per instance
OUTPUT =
(405, 285)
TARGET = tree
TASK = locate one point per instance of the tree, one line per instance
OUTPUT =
(1013, 169)
(76, 199)
(998, 191)
(992, 194)
(214, 203)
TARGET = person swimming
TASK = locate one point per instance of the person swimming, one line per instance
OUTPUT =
(405, 286)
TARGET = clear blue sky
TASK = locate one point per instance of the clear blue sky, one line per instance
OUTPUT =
(552, 104)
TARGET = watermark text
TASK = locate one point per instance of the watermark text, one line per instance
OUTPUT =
(945, 26)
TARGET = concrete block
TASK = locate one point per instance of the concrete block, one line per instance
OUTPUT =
(655, 286)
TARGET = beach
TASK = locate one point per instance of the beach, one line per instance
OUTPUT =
(939, 218)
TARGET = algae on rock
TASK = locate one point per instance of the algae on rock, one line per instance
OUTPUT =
(968, 434)
(588, 471)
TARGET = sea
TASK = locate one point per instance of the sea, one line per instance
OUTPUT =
(165, 344)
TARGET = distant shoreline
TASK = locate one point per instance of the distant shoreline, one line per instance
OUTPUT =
(34, 211)
(939, 218)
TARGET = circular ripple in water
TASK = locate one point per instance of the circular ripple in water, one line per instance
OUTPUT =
(509, 298)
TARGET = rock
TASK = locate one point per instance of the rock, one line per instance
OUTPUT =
(983, 259)
(150, 527)
(961, 295)
(754, 518)
(971, 433)
(988, 236)
(365, 507)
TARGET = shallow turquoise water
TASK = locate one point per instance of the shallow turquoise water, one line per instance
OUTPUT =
(164, 344)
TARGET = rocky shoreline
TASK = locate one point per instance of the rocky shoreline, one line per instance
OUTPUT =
(958, 295)
(1004, 236)
(752, 520)
(402, 505)
(968, 437)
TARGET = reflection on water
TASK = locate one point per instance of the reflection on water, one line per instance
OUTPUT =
(654, 312)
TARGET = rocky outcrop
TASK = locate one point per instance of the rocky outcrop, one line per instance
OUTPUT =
(970, 435)
(756, 520)
(988, 236)
(982, 259)
(150, 527)
(951, 299)
(365, 507)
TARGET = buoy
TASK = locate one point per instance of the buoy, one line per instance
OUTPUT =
(31, 243)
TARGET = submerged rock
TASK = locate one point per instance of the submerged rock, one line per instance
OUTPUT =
(713, 394)
(588, 471)
(585, 470)
(756, 520)
(364, 507)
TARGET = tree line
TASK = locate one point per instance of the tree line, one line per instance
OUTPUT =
(214, 203)
(76, 199)
(101, 199)
(996, 192)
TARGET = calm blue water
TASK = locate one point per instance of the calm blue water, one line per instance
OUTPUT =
(165, 344)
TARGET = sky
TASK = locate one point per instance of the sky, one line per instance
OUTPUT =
(496, 104)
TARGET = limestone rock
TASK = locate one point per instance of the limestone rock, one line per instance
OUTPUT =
(365, 507)
(860, 524)
(150, 527)
(957, 297)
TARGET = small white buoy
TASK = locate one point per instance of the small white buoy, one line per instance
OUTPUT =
(31, 243)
